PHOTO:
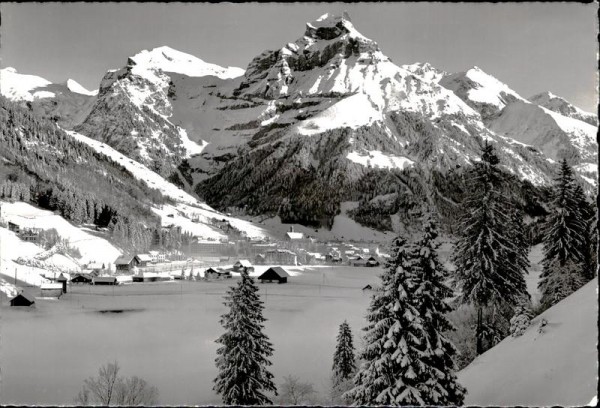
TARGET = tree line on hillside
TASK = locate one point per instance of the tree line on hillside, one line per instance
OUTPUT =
(44, 165)
(408, 358)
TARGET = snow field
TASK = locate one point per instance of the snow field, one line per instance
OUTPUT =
(556, 367)
(92, 248)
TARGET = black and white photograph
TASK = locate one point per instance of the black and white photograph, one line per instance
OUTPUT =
(299, 204)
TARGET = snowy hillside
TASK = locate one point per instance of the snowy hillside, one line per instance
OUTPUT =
(92, 248)
(480, 90)
(557, 136)
(187, 207)
(555, 367)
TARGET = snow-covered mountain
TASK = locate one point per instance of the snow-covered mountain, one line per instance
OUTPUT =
(323, 120)
(333, 108)
(559, 105)
(133, 111)
(67, 103)
(480, 90)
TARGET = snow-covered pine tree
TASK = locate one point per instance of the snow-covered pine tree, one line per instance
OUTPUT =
(489, 263)
(242, 359)
(438, 350)
(564, 240)
(344, 363)
(387, 375)
(521, 318)
(407, 360)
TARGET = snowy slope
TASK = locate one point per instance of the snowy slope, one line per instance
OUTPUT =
(557, 136)
(481, 91)
(559, 105)
(187, 207)
(17, 86)
(92, 248)
(556, 367)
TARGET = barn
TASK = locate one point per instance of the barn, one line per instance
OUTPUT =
(22, 299)
(276, 273)
(104, 280)
(82, 278)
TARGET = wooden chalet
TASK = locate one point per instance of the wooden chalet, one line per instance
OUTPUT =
(367, 262)
(22, 299)
(143, 259)
(82, 278)
(217, 273)
(126, 263)
(275, 273)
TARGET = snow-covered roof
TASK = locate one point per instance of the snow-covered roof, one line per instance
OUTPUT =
(144, 257)
(244, 262)
(294, 235)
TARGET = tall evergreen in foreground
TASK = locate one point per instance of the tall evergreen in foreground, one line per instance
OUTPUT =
(407, 359)
(344, 363)
(490, 255)
(242, 359)
(566, 240)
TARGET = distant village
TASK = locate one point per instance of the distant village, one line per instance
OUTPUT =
(204, 260)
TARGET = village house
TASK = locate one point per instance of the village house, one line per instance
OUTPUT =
(126, 263)
(242, 264)
(367, 262)
(276, 273)
(82, 278)
(144, 259)
(291, 235)
(217, 273)
(277, 256)
(22, 299)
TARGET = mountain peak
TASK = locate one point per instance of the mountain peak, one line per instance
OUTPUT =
(330, 26)
(75, 87)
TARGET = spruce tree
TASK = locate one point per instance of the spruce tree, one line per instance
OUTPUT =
(439, 351)
(490, 260)
(565, 240)
(407, 360)
(242, 359)
(343, 359)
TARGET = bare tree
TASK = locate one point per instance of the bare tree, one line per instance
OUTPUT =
(294, 392)
(110, 389)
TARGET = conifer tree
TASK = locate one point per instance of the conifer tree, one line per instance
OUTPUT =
(242, 359)
(433, 308)
(565, 240)
(490, 262)
(407, 360)
(343, 359)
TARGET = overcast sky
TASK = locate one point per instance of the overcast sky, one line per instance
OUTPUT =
(533, 47)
